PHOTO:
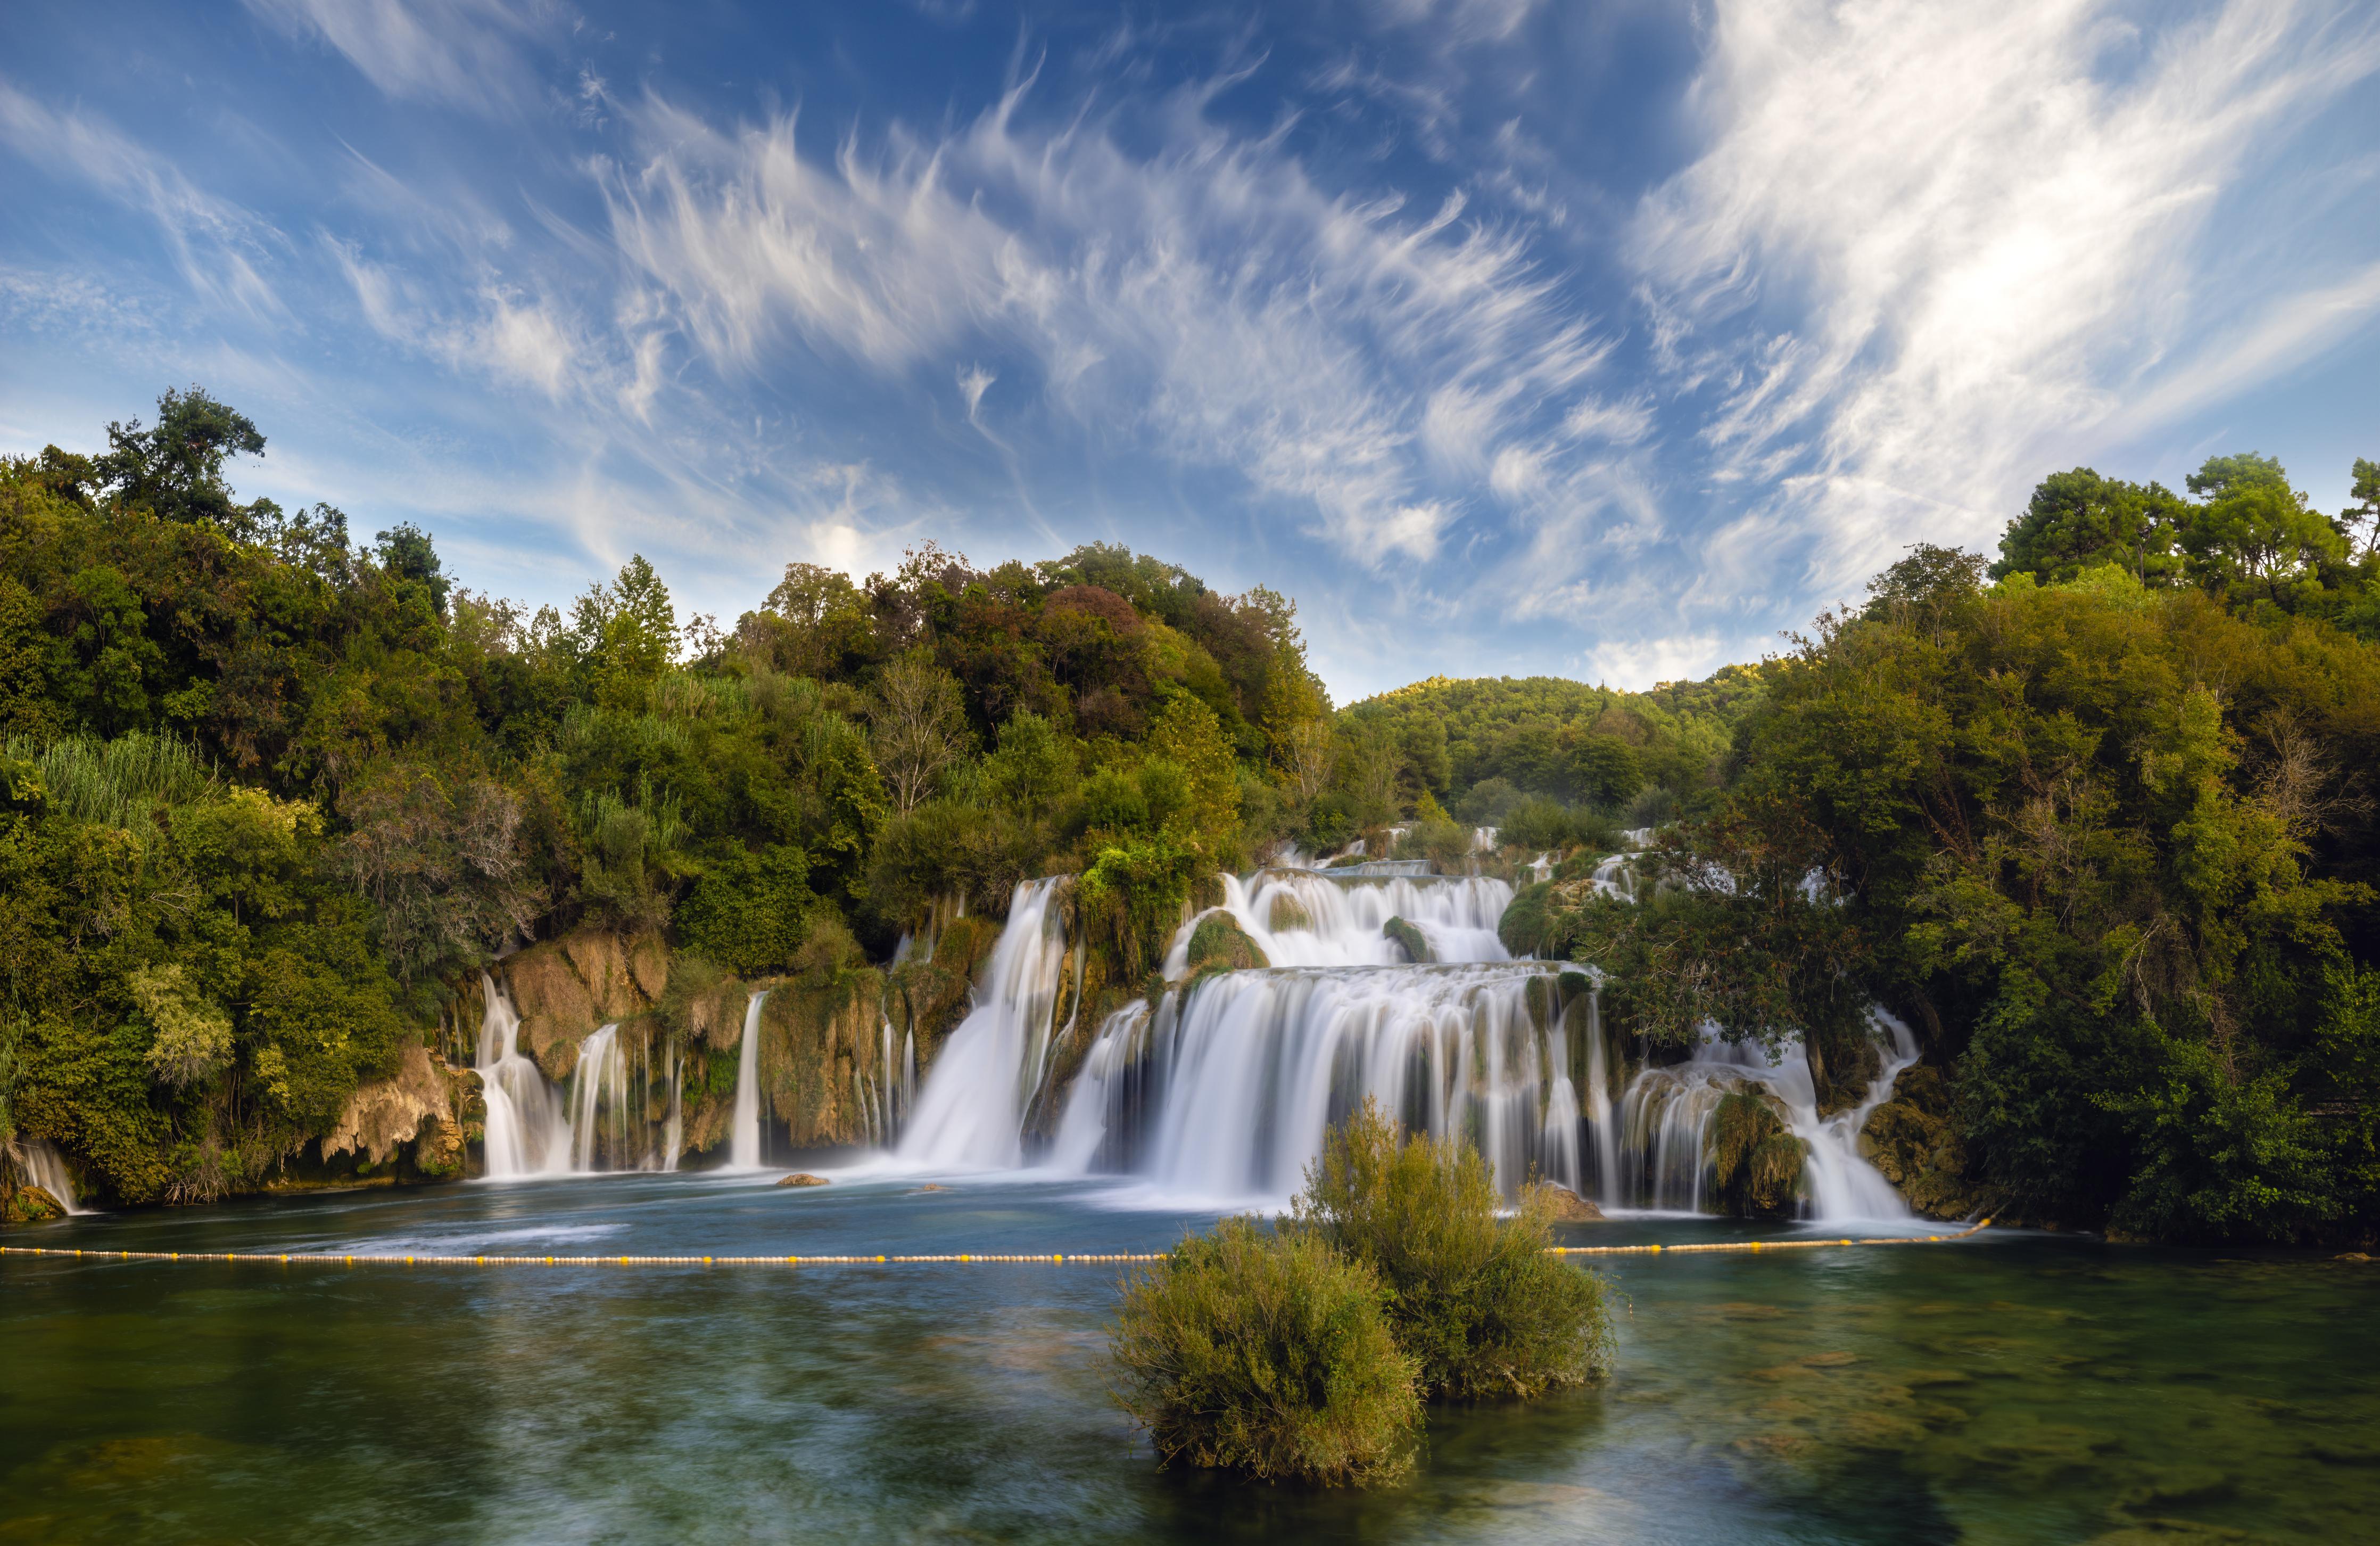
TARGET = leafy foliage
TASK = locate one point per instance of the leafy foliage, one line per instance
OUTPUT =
(1472, 1296)
(1267, 1353)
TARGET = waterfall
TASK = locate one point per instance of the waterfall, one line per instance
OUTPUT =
(744, 1142)
(39, 1163)
(1227, 1090)
(524, 1115)
(589, 1125)
(600, 1077)
(1307, 917)
(1666, 1117)
(970, 1113)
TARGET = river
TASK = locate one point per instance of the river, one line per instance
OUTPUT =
(2014, 1387)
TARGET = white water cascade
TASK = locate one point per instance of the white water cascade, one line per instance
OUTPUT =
(1225, 1092)
(970, 1113)
(587, 1126)
(1307, 917)
(1667, 1116)
(744, 1135)
(39, 1163)
(524, 1115)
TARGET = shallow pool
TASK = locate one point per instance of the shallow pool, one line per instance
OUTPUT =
(2009, 1388)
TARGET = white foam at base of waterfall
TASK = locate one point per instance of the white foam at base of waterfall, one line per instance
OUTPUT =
(970, 1113)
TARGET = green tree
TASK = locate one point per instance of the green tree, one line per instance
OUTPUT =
(2077, 519)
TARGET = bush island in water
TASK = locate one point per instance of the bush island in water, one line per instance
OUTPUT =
(1303, 1352)
(2097, 825)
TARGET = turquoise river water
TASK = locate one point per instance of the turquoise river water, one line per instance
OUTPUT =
(2013, 1387)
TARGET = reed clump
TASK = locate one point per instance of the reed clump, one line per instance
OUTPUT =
(1303, 1351)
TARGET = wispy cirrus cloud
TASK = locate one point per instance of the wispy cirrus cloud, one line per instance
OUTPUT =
(1928, 246)
(217, 246)
(1362, 359)
(467, 54)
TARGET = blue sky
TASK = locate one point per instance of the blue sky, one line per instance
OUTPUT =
(1505, 337)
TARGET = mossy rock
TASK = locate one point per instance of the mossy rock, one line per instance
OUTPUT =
(1912, 1141)
(1756, 1164)
(1411, 941)
(1219, 943)
(30, 1205)
(1288, 913)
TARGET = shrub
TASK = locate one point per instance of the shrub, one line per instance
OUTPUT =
(1472, 1297)
(1266, 1354)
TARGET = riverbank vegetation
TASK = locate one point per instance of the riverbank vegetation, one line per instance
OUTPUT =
(2101, 824)
(1303, 1351)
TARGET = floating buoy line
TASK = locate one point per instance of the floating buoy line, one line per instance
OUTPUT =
(331, 1259)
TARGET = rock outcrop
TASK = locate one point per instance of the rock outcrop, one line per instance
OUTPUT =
(1911, 1139)
(1219, 943)
(1411, 942)
(420, 1104)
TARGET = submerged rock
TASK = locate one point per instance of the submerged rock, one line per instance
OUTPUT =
(803, 1178)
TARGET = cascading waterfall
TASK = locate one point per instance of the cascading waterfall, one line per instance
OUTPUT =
(1226, 1092)
(39, 1163)
(970, 1115)
(586, 1128)
(744, 1135)
(597, 1086)
(524, 1115)
(1666, 1114)
(1306, 917)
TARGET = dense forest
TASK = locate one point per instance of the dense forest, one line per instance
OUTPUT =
(2100, 823)
(2097, 823)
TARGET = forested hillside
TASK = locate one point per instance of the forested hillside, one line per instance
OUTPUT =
(2104, 830)
(274, 795)
(2101, 824)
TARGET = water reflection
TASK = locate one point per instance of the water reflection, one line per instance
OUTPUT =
(2020, 1388)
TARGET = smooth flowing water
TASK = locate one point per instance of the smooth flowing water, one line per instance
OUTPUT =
(2016, 1388)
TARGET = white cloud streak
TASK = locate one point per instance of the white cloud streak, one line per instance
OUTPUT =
(465, 53)
(216, 246)
(1338, 352)
(1929, 246)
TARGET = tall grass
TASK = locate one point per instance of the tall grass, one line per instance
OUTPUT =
(115, 783)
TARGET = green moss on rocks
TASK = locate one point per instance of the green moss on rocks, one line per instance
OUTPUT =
(1912, 1141)
(1219, 943)
(1410, 941)
(1288, 912)
(1756, 1164)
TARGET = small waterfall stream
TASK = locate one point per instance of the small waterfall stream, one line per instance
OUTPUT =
(744, 1135)
(39, 1163)
(587, 1126)
(970, 1113)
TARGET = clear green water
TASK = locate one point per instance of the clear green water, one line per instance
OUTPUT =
(2015, 1388)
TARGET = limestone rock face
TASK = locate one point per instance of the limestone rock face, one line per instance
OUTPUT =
(567, 987)
(417, 1102)
(823, 1054)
